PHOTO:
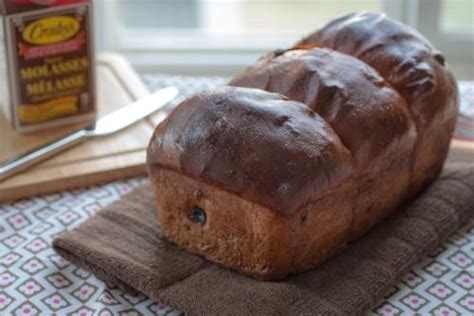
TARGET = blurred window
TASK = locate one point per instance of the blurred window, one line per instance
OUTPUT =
(222, 36)
(457, 16)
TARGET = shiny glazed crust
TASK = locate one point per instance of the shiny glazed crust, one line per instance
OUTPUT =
(414, 68)
(283, 184)
(255, 144)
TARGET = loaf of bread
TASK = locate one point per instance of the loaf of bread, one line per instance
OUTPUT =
(355, 119)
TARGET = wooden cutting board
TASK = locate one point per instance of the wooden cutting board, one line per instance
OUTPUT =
(94, 161)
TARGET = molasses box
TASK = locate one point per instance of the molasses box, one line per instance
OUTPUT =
(46, 63)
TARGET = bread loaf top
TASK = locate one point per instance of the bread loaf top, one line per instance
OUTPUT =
(256, 144)
(369, 116)
(371, 89)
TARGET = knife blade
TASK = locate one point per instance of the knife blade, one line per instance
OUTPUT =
(106, 125)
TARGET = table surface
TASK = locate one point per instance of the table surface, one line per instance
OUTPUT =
(35, 280)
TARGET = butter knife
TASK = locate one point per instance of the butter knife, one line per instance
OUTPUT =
(106, 125)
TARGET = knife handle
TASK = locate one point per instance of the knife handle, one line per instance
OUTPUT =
(15, 165)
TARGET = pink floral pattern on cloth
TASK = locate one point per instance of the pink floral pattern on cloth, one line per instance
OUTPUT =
(34, 280)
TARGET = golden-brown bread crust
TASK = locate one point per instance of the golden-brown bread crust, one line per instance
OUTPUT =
(280, 187)
(413, 67)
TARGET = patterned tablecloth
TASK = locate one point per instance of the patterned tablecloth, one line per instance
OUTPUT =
(36, 281)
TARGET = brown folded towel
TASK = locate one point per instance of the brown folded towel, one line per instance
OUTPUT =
(122, 245)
